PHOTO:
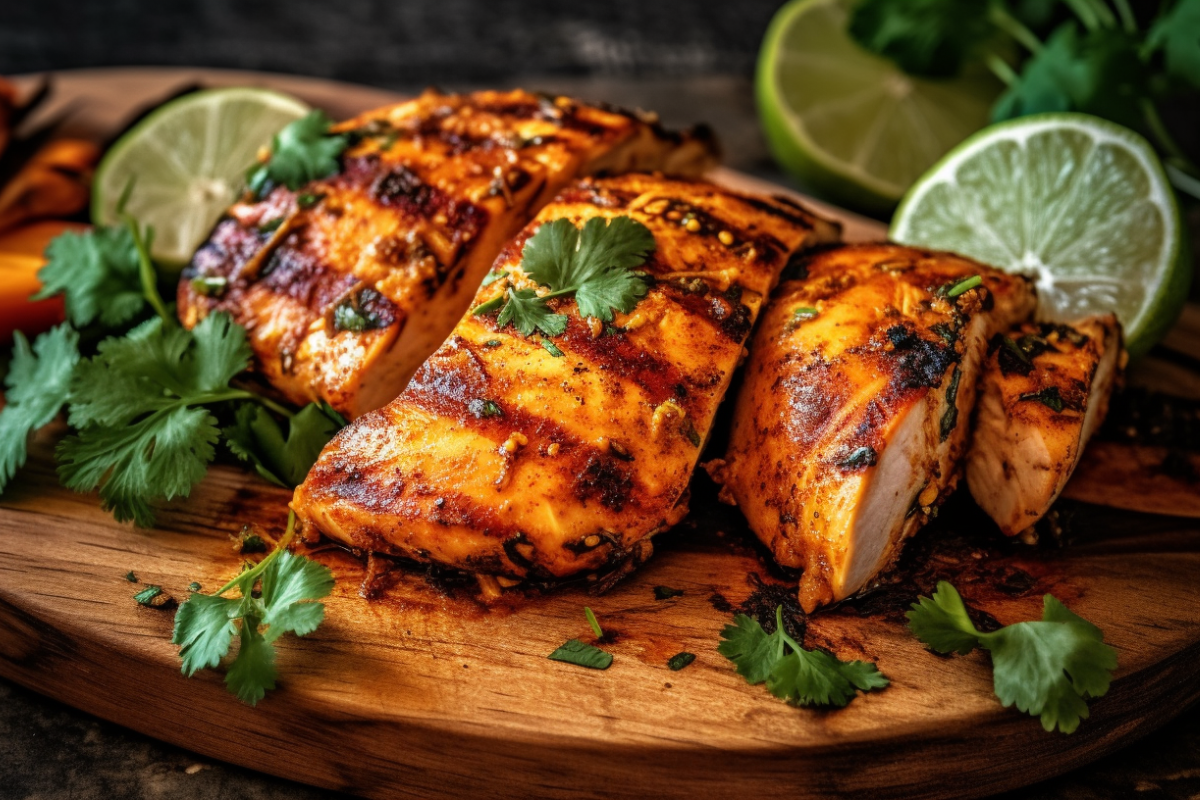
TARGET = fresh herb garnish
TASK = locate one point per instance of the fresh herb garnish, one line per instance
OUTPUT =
(925, 37)
(131, 577)
(98, 274)
(953, 290)
(492, 343)
(494, 276)
(349, 315)
(1049, 397)
(860, 457)
(38, 381)
(576, 652)
(801, 677)
(153, 597)
(552, 348)
(1046, 668)
(307, 200)
(950, 415)
(594, 265)
(591, 618)
(481, 408)
(256, 437)
(206, 623)
(666, 592)
(680, 660)
(803, 313)
(303, 151)
(210, 285)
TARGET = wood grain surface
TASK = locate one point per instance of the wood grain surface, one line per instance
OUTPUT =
(423, 690)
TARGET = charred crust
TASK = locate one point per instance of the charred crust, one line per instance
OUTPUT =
(604, 479)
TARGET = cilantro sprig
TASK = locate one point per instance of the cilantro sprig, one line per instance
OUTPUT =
(1046, 668)
(256, 437)
(801, 677)
(595, 266)
(303, 151)
(289, 587)
(1092, 56)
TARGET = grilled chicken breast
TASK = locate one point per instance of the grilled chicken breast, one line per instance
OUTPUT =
(852, 420)
(349, 284)
(540, 457)
(1045, 390)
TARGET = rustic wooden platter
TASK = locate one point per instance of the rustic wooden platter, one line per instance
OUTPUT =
(423, 690)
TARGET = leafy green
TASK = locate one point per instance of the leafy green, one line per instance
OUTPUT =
(1177, 34)
(1049, 397)
(1046, 668)
(206, 624)
(1098, 72)
(924, 37)
(576, 652)
(303, 151)
(680, 660)
(801, 677)
(256, 437)
(97, 272)
(594, 265)
(138, 403)
(551, 348)
(38, 380)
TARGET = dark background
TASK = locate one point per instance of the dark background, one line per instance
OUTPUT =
(390, 44)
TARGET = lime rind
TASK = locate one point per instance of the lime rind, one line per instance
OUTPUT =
(1108, 235)
(187, 160)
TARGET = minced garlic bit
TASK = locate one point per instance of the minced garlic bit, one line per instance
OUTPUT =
(552, 449)
(725, 237)
(515, 440)
(666, 417)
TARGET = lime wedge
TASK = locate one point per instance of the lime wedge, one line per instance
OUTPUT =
(848, 124)
(1080, 204)
(187, 161)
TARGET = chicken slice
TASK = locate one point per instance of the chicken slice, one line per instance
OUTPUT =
(851, 423)
(347, 285)
(541, 457)
(1045, 390)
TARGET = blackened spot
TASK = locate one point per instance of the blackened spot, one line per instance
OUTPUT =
(922, 363)
(605, 480)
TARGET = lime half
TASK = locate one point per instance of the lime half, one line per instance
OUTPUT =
(1080, 204)
(187, 161)
(851, 125)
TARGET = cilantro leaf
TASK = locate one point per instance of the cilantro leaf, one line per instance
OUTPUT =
(97, 273)
(801, 677)
(527, 312)
(1177, 34)
(595, 265)
(38, 381)
(141, 435)
(580, 654)
(303, 151)
(924, 37)
(206, 624)
(256, 437)
(1098, 72)
(1046, 668)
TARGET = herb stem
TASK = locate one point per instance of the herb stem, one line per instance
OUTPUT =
(146, 271)
(1182, 180)
(1014, 28)
(272, 405)
(258, 568)
(1001, 69)
(1128, 20)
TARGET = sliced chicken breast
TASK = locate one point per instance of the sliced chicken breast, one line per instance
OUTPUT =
(852, 421)
(544, 456)
(347, 285)
(1045, 391)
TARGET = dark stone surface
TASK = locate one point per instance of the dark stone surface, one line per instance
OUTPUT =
(388, 43)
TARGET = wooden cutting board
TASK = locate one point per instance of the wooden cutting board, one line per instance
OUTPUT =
(424, 690)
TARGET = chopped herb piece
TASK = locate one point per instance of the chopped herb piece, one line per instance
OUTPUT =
(489, 306)
(492, 343)
(309, 199)
(481, 408)
(348, 315)
(271, 225)
(860, 457)
(680, 660)
(801, 677)
(666, 592)
(946, 332)
(950, 417)
(576, 652)
(552, 348)
(953, 290)
(494, 276)
(251, 543)
(210, 285)
(591, 618)
(1046, 668)
(154, 597)
(206, 623)
(303, 151)
(131, 577)
(1049, 397)
(804, 313)
(692, 434)
(194, 586)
